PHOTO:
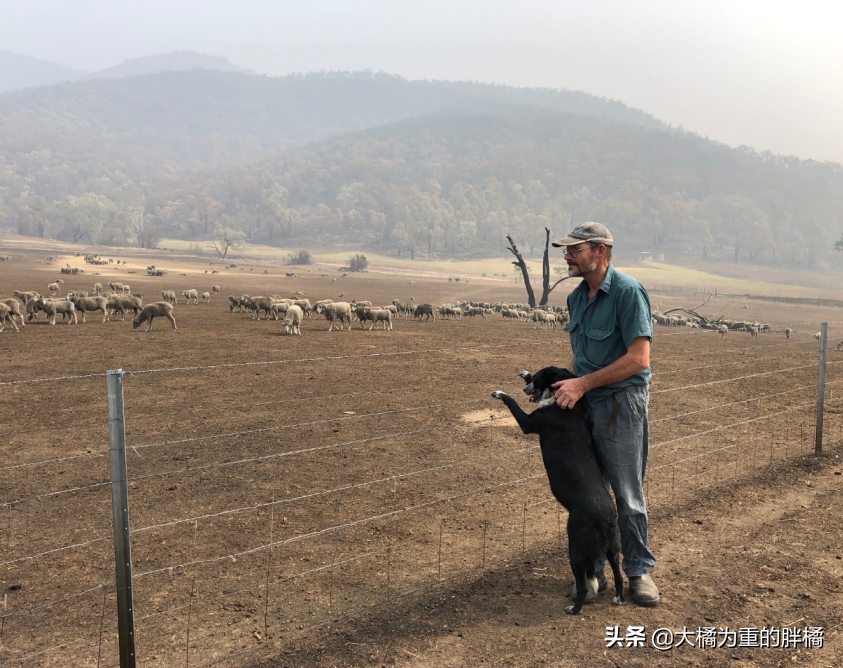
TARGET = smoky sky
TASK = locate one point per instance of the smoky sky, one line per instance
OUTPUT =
(761, 73)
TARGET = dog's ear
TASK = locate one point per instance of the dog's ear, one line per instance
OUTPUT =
(527, 376)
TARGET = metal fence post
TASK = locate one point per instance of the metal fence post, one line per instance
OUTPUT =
(818, 442)
(120, 509)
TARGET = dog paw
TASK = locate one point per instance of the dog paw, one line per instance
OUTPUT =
(570, 610)
(497, 394)
(617, 600)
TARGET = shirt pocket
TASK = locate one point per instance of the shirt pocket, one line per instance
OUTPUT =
(598, 346)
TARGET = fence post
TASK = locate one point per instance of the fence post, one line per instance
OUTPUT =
(120, 510)
(818, 441)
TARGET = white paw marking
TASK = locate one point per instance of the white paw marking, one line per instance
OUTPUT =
(497, 394)
(617, 601)
(569, 610)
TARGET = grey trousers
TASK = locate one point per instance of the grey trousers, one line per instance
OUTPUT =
(624, 459)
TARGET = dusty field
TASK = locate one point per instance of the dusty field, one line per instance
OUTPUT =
(362, 501)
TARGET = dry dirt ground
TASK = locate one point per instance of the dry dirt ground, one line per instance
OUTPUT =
(356, 498)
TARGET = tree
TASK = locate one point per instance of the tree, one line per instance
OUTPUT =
(86, 216)
(358, 263)
(226, 239)
(546, 287)
(302, 257)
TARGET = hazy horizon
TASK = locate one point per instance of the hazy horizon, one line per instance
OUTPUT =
(760, 74)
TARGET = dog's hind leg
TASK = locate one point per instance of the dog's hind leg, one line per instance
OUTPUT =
(582, 575)
(614, 562)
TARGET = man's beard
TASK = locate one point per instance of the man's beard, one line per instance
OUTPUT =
(574, 270)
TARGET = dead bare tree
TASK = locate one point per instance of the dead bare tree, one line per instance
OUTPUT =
(546, 287)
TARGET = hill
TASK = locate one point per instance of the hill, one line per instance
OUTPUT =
(19, 71)
(176, 61)
(453, 185)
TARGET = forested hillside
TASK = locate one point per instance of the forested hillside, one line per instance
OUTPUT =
(466, 166)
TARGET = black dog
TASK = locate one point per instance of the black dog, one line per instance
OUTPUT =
(575, 477)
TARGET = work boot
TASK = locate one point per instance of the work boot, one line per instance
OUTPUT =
(644, 590)
(591, 594)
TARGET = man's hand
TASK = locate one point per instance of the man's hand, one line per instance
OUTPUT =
(569, 391)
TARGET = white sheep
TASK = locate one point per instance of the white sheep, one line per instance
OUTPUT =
(6, 314)
(85, 304)
(376, 316)
(206, 297)
(14, 309)
(788, 333)
(64, 307)
(818, 336)
(54, 288)
(292, 323)
(169, 296)
(336, 311)
(192, 296)
(724, 330)
(216, 289)
(151, 311)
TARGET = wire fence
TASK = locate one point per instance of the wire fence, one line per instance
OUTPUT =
(267, 502)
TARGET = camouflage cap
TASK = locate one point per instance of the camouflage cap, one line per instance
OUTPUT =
(595, 233)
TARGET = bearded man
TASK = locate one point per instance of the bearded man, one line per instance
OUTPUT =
(611, 329)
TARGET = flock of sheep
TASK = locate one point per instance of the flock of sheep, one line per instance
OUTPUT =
(118, 299)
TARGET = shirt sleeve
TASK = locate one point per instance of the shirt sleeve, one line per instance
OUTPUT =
(634, 315)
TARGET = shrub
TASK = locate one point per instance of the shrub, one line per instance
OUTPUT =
(358, 263)
(302, 257)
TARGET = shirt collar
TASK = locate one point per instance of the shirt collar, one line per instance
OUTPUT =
(605, 286)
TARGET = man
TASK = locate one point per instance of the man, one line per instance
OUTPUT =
(611, 328)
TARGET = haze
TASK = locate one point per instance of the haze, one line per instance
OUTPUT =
(764, 74)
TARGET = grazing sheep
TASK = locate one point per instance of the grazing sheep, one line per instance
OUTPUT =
(64, 307)
(6, 314)
(32, 307)
(53, 288)
(336, 311)
(169, 296)
(124, 303)
(258, 304)
(14, 309)
(475, 311)
(425, 310)
(378, 315)
(215, 289)
(85, 304)
(278, 308)
(150, 311)
(192, 296)
(818, 336)
(238, 302)
(116, 287)
(77, 293)
(788, 333)
(539, 318)
(304, 305)
(724, 330)
(97, 288)
(753, 332)
(206, 297)
(292, 323)
(25, 296)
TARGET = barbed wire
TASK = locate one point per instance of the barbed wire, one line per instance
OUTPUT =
(732, 380)
(737, 403)
(54, 550)
(740, 361)
(297, 425)
(321, 532)
(59, 492)
(727, 426)
(344, 488)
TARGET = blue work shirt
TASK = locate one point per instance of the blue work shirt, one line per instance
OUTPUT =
(602, 329)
